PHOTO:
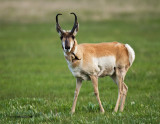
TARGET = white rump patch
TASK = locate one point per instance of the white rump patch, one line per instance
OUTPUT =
(131, 53)
(104, 65)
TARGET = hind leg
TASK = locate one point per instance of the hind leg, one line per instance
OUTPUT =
(118, 77)
(118, 80)
(125, 89)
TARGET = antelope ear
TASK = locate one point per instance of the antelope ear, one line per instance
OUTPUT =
(76, 29)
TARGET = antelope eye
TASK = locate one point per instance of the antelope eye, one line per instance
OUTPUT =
(73, 37)
(61, 37)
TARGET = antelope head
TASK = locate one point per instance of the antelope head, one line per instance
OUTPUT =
(67, 37)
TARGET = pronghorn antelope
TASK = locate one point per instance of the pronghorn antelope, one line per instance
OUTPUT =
(91, 61)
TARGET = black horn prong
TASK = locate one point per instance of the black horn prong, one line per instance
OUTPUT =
(58, 26)
(74, 15)
(57, 17)
(75, 23)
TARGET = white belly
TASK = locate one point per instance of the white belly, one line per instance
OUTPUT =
(104, 65)
(78, 72)
(101, 67)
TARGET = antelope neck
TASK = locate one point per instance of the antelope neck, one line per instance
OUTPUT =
(74, 50)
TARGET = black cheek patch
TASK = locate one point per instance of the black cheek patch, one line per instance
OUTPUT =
(61, 37)
(73, 37)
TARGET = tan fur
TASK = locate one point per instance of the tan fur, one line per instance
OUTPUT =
(87, 51)
(87, 62)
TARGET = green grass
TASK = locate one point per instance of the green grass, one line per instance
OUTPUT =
(36, 85)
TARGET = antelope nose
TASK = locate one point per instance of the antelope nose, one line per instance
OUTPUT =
(67, 47)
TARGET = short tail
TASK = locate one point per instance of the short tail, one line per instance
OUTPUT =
(131, 53)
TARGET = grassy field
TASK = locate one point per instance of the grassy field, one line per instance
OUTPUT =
(36, 85)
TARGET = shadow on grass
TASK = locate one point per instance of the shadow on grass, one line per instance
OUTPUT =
(21, 116)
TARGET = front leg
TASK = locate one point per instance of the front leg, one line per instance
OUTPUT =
(94, 80)
(78, 86)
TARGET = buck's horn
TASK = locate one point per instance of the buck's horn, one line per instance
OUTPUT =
(75, 23)
(58, 27)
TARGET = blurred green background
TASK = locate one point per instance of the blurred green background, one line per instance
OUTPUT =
(36, 85)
